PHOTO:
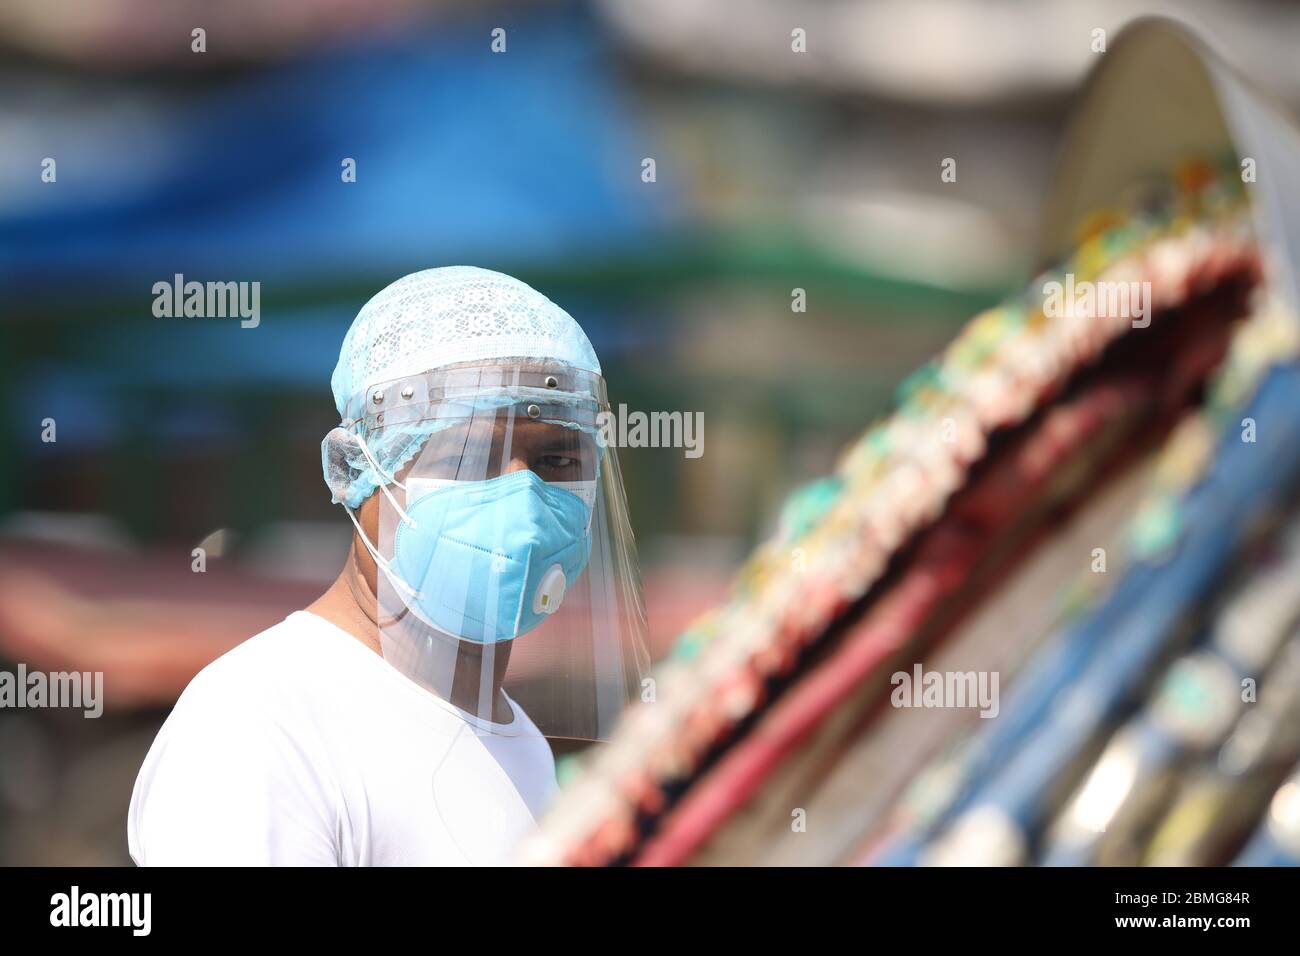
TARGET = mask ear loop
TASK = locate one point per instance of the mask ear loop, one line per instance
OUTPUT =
(379, 559)
(385, 479)
(361, 598)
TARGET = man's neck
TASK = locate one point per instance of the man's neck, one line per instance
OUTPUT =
(350, 605)
(340, 607)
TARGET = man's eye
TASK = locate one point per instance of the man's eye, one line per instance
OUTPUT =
(559, 462)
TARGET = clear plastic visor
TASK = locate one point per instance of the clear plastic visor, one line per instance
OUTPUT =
(509, 588)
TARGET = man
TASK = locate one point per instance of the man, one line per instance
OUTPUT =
(491, 543)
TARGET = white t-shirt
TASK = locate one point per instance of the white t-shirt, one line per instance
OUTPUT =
(301, 746)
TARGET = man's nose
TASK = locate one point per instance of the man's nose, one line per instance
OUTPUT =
(515, 464)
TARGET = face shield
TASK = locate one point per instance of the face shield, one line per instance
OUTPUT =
(508, 584)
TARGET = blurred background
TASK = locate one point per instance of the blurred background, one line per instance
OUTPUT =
(773, 172)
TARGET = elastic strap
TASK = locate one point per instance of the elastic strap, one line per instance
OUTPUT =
(380, 561)
(388, 479)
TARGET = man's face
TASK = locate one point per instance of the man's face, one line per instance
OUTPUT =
(482, 448)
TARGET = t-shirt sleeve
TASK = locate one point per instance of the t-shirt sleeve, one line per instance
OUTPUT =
(227, 784)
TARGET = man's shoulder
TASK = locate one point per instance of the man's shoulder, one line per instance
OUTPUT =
(242, 760)
(270, 668)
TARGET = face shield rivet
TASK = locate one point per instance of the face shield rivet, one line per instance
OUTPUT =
(379, 419)
(552, 382)
(377, 397)
(534, 411)
(408, 391)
